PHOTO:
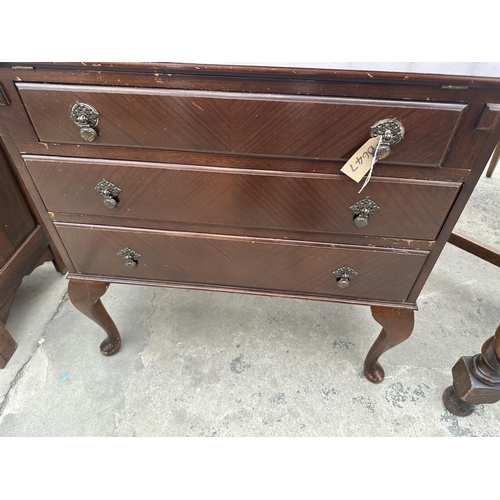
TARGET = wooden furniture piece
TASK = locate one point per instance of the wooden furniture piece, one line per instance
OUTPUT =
(228, 178)
(493, 161)
(23, 246)
(476, 379)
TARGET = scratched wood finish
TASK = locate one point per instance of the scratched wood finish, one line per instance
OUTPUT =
(242, 198)
(243, 262)
(480, 85)
(255, 124)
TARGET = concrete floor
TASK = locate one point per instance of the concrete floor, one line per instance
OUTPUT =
(197, 363)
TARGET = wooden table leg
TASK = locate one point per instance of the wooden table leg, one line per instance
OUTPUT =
(85, 296)
(476, 379)
(494, 160)
(7, 345)
(397, 325)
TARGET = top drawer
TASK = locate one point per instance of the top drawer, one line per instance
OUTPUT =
(240, 123)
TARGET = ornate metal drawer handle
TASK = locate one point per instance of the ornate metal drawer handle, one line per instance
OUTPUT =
(391, 130)
(344, 275)
(87, 118)
(362, 210)
(109, 192)
(130, 256)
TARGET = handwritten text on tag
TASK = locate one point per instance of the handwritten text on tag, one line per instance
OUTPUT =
(362, 160)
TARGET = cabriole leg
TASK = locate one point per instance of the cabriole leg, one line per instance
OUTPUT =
(85, 296)
(397, 325)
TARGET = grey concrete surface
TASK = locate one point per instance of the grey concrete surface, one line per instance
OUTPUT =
(198, 363)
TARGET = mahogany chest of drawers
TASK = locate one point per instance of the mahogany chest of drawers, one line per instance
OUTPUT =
(229, 178)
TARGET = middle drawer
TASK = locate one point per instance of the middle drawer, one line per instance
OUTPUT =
(308, 202)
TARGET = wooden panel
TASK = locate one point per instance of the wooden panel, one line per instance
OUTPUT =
(447, 173)
(16, 221)
(22, 262)
(4, 101)
(388, 85)
(258, 124)
(489, 118)
(249, 263)
(242, 198)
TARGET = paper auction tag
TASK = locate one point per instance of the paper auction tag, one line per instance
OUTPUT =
(362, 160)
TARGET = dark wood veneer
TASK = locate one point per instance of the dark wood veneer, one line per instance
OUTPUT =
(291, 126)
(305, 268)
(16, 220)
(242, 160)
(382, 169)
(305, 81)
(280, 201)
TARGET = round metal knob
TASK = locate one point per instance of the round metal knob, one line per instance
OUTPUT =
(130, 263)
(361, 220)
(343, 282)
(110, 202)
(89, 134)
(383, 151)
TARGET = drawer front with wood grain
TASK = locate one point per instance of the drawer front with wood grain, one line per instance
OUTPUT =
(242, 263)
(240, 123)
(242, 198)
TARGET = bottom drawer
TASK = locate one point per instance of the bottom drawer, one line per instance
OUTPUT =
(250, 263)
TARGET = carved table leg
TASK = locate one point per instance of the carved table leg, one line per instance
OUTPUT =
(397, 325)
(85, 296)
(476, 379)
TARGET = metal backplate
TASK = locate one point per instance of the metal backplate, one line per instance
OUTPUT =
(107, 188)
(84, 115)
(344, 275)
(130, 256)
(344, 271)
(365, 206)
(391, 130)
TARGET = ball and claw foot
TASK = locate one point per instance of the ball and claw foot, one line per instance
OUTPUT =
(455, 405)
